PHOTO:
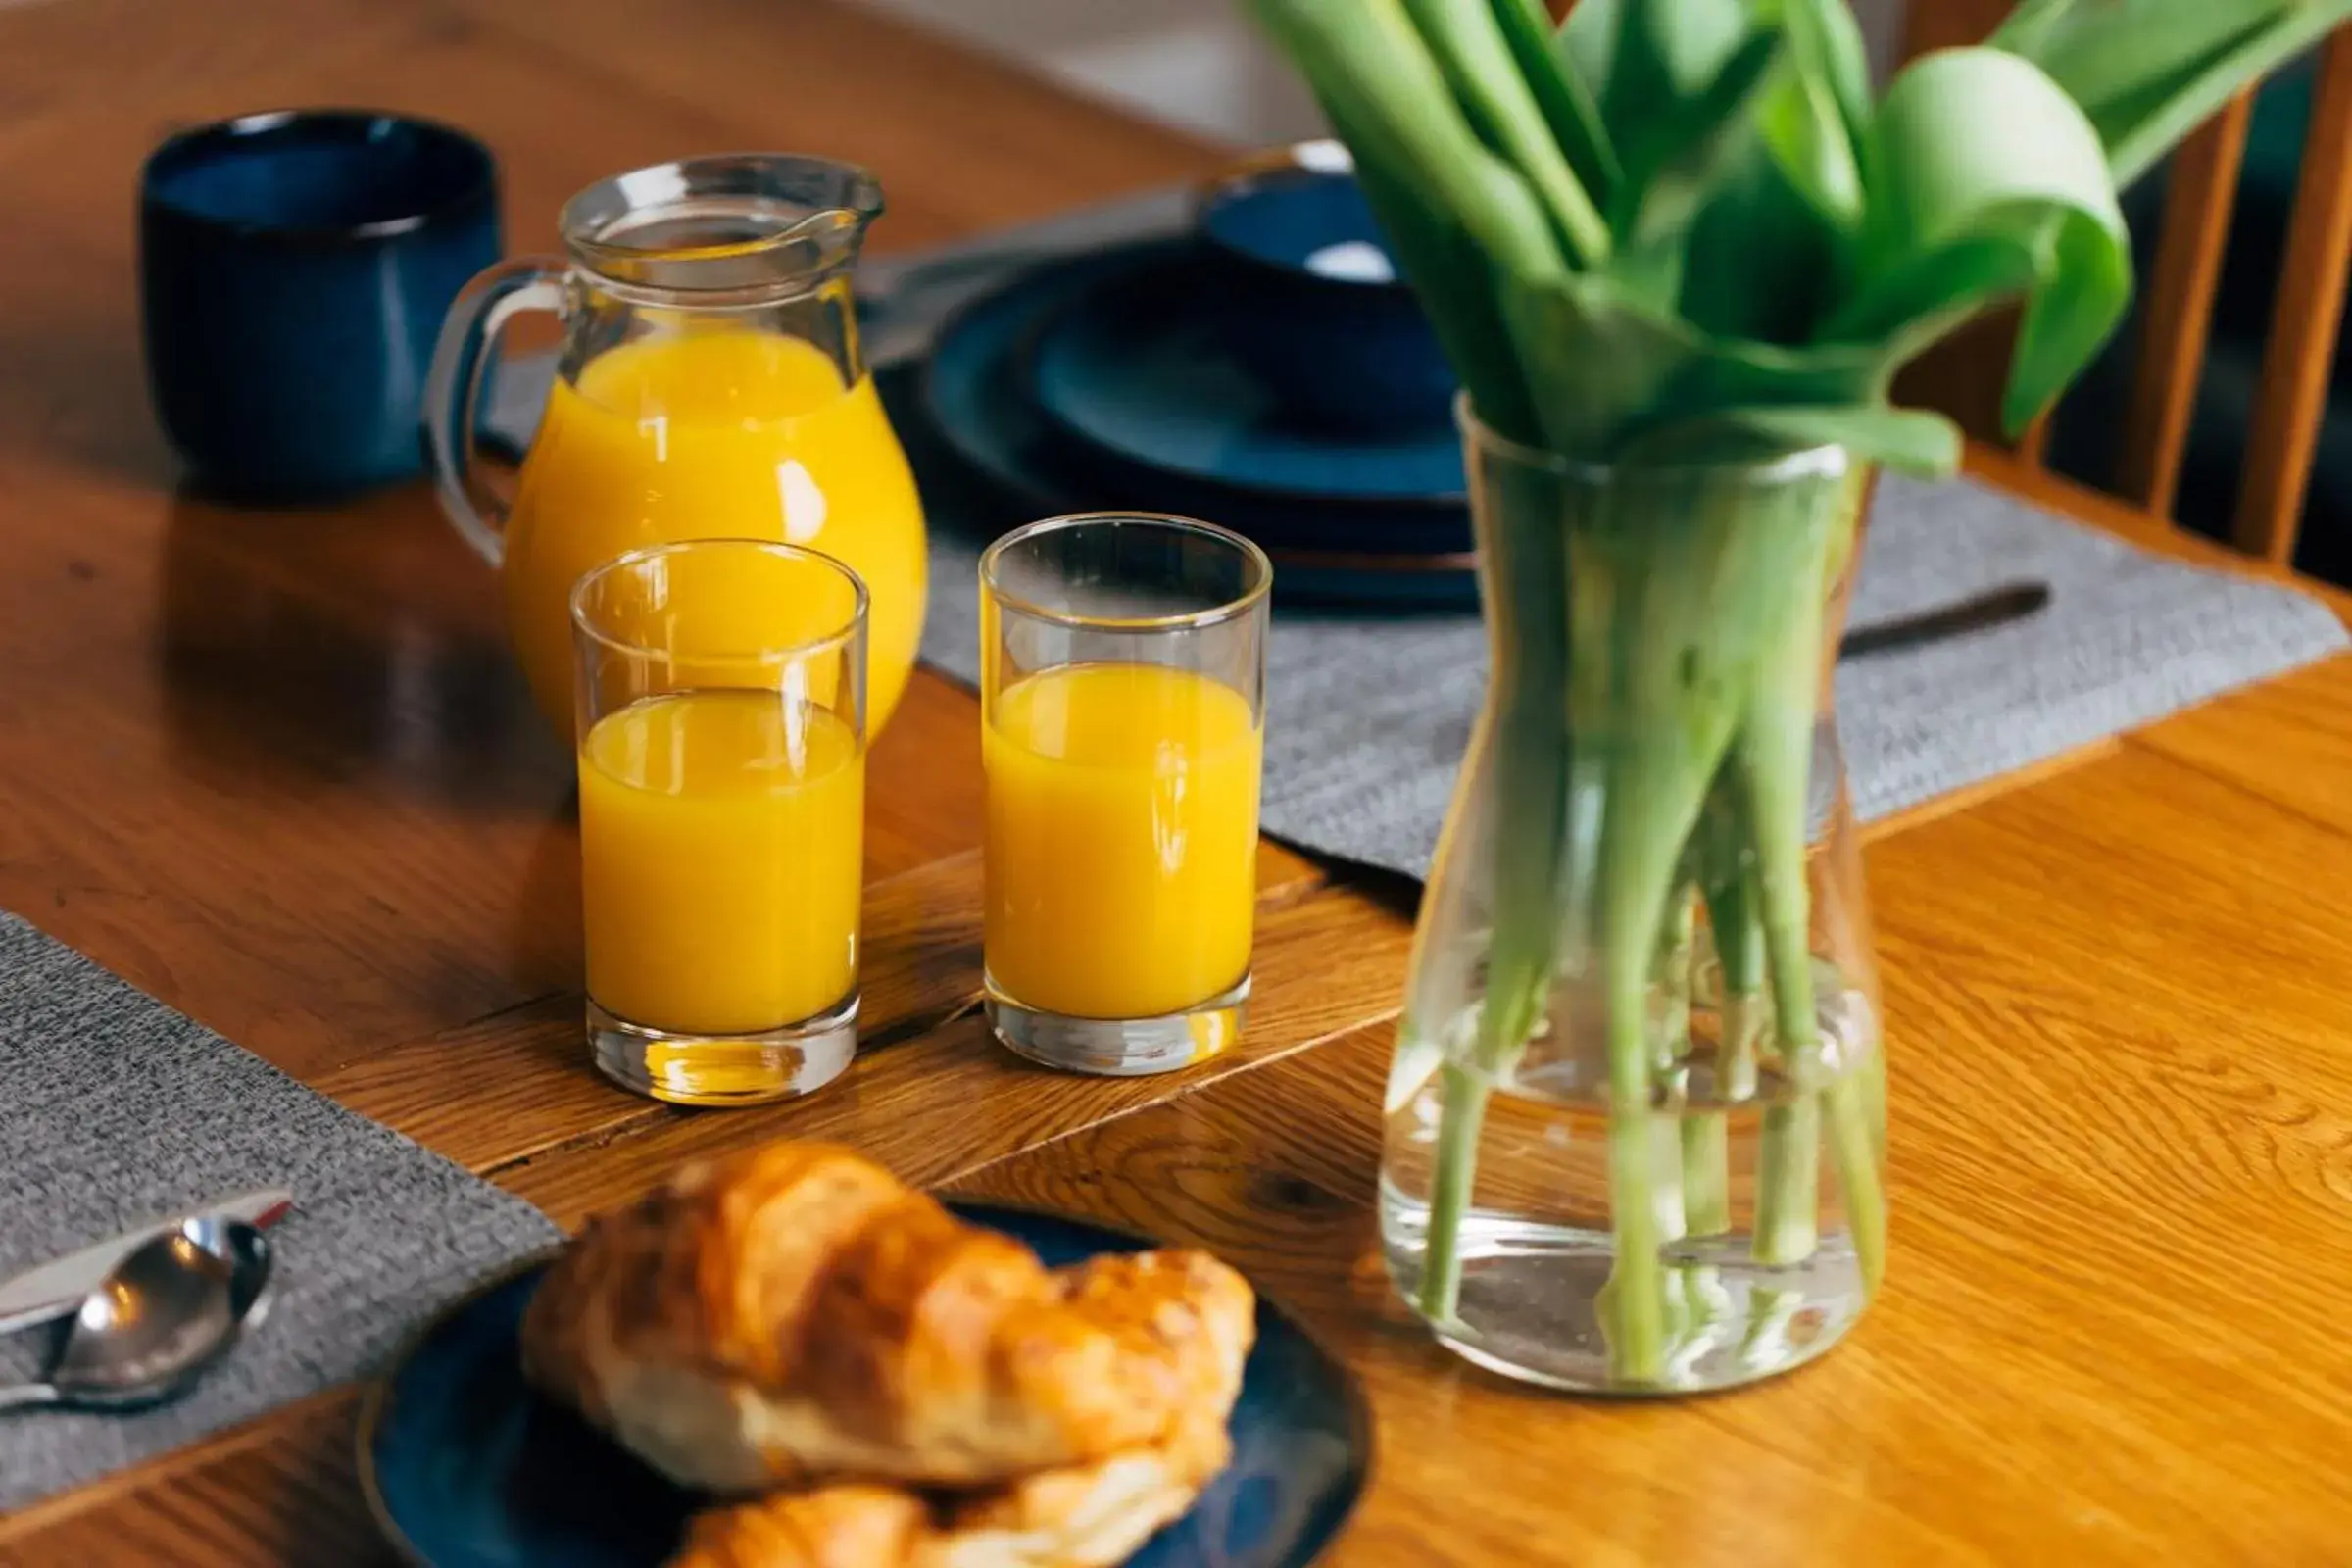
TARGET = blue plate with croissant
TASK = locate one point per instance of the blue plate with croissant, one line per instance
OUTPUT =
(787, 1359)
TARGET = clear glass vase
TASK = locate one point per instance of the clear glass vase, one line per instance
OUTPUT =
(1634, 1124)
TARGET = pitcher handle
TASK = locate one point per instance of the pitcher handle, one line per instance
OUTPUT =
(453, 387)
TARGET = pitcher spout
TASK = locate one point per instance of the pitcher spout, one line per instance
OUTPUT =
(746, 225)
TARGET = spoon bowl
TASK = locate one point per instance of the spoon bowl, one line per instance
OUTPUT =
(167, 1313)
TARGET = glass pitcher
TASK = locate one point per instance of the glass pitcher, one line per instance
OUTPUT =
(709, 386)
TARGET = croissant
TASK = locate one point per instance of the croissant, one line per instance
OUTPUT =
(1083, 1516)
(797, 1314)
(846, 1525)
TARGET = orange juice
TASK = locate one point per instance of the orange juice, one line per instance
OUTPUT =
(1122, 839)
(719, 876)
(719, 434)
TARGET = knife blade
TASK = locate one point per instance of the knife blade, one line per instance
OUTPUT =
(1982, 612)
(57, 1287)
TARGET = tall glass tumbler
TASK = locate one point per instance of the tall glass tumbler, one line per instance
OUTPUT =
(1122, 686)
(721, 722)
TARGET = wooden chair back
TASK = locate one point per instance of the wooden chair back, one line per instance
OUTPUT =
(2175, 318)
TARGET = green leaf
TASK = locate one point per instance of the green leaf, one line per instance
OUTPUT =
(2084, 287)
(1812, 117)
(1802, 128)
(1916, 301)
(1984, 172)
(1654, 58)
(1368, 68)
(1602, 367)
(1458, 216)
(1672, 170)
(2149, 71)
(1586, 42)
(1572, 110)
(2102, 50)
(1455, 284)
(1913, 440)
(1468, 45)
(2028, 29)
(1594, 360)
(1825, 33)
(1760, 261)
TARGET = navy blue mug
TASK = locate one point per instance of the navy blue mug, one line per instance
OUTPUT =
(294, 268)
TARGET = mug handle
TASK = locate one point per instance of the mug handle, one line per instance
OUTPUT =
(453, 387)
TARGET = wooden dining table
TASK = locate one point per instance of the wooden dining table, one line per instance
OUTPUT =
(277, 769)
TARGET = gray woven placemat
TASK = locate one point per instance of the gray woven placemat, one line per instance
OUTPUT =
(117, 1111)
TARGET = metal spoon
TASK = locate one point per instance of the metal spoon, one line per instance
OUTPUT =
(164, 1315)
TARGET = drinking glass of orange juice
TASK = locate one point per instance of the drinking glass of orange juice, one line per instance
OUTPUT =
(721, 703)
(1122, 685)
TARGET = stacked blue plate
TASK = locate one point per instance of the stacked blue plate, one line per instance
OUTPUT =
(1218, 378)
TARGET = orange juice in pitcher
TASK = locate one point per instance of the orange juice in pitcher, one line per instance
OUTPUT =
(711, 386)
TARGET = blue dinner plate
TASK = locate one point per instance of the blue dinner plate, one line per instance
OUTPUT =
(1141, 365)
(466, 1468)
(978, 398)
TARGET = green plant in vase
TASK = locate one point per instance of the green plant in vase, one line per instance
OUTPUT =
(1677, 252)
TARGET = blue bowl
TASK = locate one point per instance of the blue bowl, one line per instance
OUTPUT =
(294, 268)
(1315, 301)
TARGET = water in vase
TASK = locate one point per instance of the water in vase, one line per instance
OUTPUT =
(1759, 1270)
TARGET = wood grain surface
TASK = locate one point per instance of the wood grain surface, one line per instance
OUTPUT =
(277, 768)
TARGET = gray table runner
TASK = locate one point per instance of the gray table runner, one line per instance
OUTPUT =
(1367, 716)
(118, 1109)
(1366, 719)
